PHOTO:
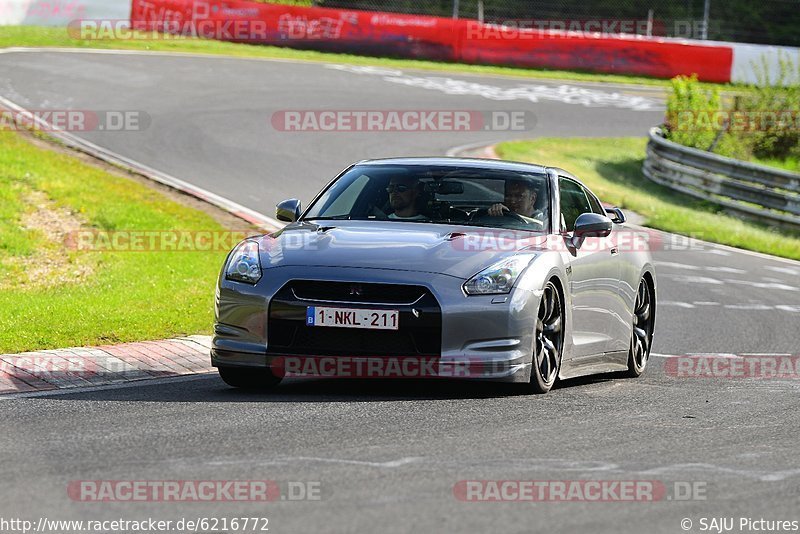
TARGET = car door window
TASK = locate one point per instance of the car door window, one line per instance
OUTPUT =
(573, 201)
(596, 206)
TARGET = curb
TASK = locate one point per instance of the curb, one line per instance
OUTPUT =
(58, 369)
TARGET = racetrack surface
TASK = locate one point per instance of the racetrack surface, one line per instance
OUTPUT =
(211, 117)
(388, 455)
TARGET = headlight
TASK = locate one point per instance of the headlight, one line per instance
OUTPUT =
(499, 278)
(244, 264)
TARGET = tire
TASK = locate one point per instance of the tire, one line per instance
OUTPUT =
(548, 341)
(642, 330)
(248, 378)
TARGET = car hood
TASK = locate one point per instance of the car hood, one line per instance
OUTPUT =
(454, 250)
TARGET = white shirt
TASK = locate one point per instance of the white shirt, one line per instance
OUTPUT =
(417, 217)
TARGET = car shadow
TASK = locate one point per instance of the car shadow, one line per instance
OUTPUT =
(211, 389)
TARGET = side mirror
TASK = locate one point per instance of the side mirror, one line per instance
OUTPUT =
(616, 215)
(592, 225)
(288, 210)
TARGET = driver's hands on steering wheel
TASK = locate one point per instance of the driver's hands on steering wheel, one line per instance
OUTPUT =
(501, 210)
(497, 210)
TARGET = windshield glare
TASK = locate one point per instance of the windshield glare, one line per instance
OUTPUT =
(438, 194)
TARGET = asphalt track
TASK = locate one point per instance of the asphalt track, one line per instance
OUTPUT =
(388, 455)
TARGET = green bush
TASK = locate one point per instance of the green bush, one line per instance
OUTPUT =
(689, 111)
(759, 124)
(781, 138)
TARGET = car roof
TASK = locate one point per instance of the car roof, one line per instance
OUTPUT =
(477, 163)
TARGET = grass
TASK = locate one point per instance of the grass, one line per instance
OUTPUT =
(34, 36)
(612, 168)
(127, 295)
(790, 164)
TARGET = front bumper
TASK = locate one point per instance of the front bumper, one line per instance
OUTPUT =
(491, 335)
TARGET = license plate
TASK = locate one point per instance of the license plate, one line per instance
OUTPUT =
(352, 318)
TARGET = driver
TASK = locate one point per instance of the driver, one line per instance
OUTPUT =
(403, 195)
(520, 197)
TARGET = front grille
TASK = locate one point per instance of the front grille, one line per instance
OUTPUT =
(354, 292)
(419, 334)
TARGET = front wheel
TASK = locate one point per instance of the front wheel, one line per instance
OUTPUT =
(548, 340)
(642, 334)
(241, 377)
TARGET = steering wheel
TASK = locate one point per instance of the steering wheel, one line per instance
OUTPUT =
(483, 213)
(378, 213)
(516, 216)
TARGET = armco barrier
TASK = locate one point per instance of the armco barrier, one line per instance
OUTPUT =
(755, 191)
(440, 38)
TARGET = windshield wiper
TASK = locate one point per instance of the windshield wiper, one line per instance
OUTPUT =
(333, 218)
(493, 227)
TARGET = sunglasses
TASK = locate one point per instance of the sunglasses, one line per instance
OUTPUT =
(400, 188)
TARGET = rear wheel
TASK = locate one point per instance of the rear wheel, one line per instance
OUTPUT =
(241, 377)
(548, 340)
(642, 335)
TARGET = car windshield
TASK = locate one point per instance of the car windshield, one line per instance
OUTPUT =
(493, 198)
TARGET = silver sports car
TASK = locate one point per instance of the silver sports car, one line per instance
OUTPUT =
(464, 268)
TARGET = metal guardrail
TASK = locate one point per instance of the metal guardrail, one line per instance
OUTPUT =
(754, 191)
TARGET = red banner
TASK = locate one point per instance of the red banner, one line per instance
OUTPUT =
(617, 54)
(435, 38)
(371, 33)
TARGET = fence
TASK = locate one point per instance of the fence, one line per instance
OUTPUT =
(771, 196)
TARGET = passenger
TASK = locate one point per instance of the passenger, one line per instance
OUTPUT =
(403, 197)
